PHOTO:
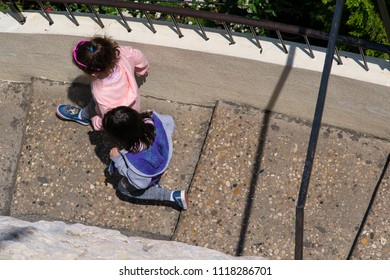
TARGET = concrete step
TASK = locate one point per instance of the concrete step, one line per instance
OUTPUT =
(200, 77)
(373, 242)
(14, 101)
(61, 174)
(242, 172)
(248, 177)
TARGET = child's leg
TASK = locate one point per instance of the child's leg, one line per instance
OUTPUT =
(72, 113)
(89, 111)
(157, 192)
(151, 193)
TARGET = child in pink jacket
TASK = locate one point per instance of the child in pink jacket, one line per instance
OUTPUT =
(113, 69)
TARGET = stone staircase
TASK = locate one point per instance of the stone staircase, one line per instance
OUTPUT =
(240, 165)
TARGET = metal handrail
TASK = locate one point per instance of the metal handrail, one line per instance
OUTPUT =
(278, 27)
(315, 130)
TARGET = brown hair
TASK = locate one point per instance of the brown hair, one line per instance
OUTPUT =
(98, 55)
(128, 130)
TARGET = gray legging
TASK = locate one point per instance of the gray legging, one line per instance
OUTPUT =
(89, 111)
(155, 192)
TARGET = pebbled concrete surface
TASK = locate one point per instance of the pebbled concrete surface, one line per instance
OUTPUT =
(241, 165)
(248, 178)
(62, 166)
(14, 101)
(373, 243)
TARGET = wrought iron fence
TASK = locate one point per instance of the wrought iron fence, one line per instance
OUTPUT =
(224, 19)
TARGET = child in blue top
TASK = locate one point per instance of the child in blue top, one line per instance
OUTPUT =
(142, 151)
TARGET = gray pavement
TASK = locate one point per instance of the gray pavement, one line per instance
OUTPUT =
(61, 174)
(14, 101)
(247, 181)
(203, 78)
(242, 182)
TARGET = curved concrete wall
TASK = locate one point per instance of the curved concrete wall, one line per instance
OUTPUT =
(192, 70)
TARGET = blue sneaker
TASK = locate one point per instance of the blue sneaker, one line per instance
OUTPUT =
(180, 199)
(71, 113)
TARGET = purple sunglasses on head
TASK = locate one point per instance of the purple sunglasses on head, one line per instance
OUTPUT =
(76, 48)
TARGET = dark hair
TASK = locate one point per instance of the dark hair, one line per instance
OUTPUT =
(128, 130)
(100, 54)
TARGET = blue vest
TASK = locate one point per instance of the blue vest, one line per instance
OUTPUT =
(153, 161)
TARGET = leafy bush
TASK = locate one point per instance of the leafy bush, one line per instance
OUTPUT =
(361, 18)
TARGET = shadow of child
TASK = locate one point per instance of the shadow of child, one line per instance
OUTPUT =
(79, 93)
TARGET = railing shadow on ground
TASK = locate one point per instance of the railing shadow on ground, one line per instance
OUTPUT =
(257, 170)
(370, 204)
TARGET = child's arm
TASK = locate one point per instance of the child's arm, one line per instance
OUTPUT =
(97, 120)
(138, 59)
(97, 123)
(136, 180)
(114, 152)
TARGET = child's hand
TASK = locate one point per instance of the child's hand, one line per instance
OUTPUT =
(114, 152)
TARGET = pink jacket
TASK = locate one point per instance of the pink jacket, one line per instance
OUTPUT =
(120, 88)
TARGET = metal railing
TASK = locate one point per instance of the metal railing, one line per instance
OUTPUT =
(224, 19)
(315, 130)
